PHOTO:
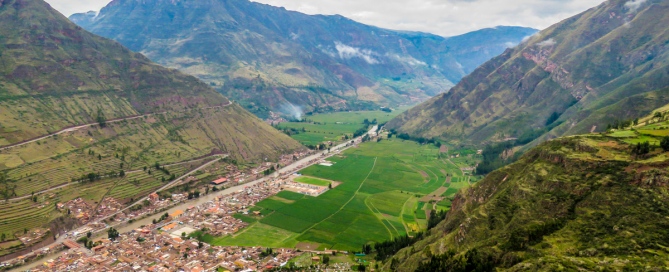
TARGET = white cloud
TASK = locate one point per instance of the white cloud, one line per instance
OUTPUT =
(349, 52)
(634, 5)
(510, 44)
(407, 59)
(445, 17)
(549, 42)
(442, 17)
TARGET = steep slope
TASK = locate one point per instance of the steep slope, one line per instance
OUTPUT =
(587, 203)
(268, 58)
(580, 70)
(54, 75)
(83, 117)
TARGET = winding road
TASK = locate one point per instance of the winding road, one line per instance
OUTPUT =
(75, 128)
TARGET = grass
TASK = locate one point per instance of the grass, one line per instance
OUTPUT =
(376, 200)
(313, 181)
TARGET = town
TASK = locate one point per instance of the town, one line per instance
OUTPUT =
(169, 240)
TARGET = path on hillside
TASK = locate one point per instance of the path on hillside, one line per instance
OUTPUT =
(75, 128)
(71, 183)
(168, 185)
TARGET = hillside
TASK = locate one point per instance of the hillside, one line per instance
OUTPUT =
(271, 59)
(608, 63)
(76, 107)
(55, 75)
(590, 203)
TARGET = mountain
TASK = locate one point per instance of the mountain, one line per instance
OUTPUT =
(271, 59)
(607, 64)
(593, 202)
(55, 75)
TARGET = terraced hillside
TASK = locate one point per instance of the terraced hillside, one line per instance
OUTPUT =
(271, 59)
(589, 202)
(608, 63)
(115, 113)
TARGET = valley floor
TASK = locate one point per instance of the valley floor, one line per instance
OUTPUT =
(387, 190)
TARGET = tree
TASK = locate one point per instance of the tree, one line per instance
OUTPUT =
(112, 233)
(664, 143)
(121, 173)
(89, 234)
(641, 148)
(326, 260)
(102, 121)
(362, 267)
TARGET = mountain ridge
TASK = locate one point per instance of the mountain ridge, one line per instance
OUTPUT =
(267, 57)
(576, 68)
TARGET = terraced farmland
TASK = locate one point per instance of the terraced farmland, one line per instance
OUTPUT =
(381, 185)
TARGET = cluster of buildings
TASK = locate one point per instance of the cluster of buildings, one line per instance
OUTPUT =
(151, 251)
(159, 247)
(78, 209)
(217, 215)
(302, 188)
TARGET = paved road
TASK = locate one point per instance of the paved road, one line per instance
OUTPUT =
(168, 185)
(71, 129)
(296, 166)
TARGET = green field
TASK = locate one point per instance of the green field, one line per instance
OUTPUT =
(312, 181)
(376, 200)
(333, 126)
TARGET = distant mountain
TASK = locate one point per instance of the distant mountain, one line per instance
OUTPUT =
(272, 59)
(55, 75)
(606, 64)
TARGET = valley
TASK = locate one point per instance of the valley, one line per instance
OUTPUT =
(387, 190)
(336, 127)
(275, 140)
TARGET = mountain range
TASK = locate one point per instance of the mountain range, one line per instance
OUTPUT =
(272, 59)
(603, 66)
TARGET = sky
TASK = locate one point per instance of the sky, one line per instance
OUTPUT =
(441, 17)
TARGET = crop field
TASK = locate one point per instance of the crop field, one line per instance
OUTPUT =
(333, 126)
(377, 199)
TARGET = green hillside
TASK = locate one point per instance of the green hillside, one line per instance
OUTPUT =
(595, 202)
(270, 59)
(606, 64)
(54, 75)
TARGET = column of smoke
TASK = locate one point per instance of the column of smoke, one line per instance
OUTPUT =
(292, 110)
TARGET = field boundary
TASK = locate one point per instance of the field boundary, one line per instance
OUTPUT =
(347, 202)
